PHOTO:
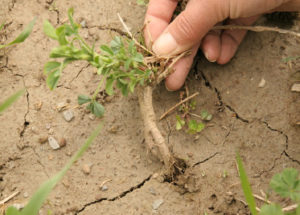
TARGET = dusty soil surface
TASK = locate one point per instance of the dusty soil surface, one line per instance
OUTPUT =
(259, 122)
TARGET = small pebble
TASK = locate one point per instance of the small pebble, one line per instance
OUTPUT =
(62, 142)
(25, 195)
(92, 117)
(61, 106)
(53, 143)
(86, 169)
(114, 129)
(262, 83)
(157, 203)
(68, 115)
(296, 88)
(83, 24)
(104, 188)
(43, 139)
(51, 131)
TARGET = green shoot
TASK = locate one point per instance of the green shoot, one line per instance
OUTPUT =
(179, 122)
(288, 59)
(8, 102)
(36, 201)
(120, 64)
(246, 185)
(206, 116)
(22, 37)
(195, 127)
(2, 26)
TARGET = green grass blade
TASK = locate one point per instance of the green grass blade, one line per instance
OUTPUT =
(36, 202)
(1, 26)
(8, 102)
(23, 36)
(246, 186)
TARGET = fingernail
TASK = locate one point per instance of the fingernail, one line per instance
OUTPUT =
(165, 44)
(209, 58)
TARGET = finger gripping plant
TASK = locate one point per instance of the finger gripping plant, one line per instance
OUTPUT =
(125, 64)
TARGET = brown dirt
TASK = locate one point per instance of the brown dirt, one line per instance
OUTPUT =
(259, 122)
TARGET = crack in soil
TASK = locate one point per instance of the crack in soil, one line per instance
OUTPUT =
(122, 195)
(26, 123)
(106, 28)
(39, 161)
(290, 158)
(80, 71)
(207, 159)
(12, 5)
(222, 104)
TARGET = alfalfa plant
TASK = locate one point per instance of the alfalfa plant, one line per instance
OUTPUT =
(21, 37)
(286, 184)
(125, 64)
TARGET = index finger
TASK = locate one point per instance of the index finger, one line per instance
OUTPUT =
(158, 17)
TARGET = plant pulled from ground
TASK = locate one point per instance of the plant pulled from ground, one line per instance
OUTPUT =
(125, 64)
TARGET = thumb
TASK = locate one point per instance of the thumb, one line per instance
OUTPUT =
(189, 27)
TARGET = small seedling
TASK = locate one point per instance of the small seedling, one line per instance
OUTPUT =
(286, 184)
(22, 37)
(193, 126)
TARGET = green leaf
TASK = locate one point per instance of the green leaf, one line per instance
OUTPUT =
(52, 79)
(23, 36)
(109, 86)
(73, 24)
(69, 52)
(8, 102)
(206, 116)
(36, 201)
(61, 34)
(96, 108)
(179, 122)
(82, 99)
(50, 66)
(12, 211)
(272, 209)
(138, 58)
(195, 127)
(287, 184)
(106, 49)
(49, 30)
(246, 185)
(116, 44)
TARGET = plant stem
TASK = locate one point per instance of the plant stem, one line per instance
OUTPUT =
(98, 87)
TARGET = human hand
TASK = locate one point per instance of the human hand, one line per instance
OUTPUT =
(192, 29)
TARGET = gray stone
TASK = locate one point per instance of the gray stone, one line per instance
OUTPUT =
(157, 203)
(104, 188)
(53, 143)
(68, 115)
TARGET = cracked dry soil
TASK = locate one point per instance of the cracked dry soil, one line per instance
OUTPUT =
(259, 122)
